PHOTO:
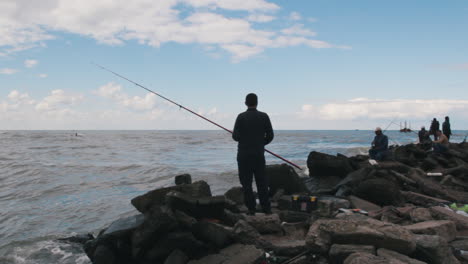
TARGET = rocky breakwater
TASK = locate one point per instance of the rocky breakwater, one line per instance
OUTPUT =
(391, 212)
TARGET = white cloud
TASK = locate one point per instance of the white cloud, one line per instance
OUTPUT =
(30, 63)
(57, 99)
(8, 71)
(25, 24)
(295, 16)
(42, 75)
(114, 91)
(298, 29)
(364, 108)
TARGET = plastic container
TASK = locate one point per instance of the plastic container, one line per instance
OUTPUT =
(302, 203)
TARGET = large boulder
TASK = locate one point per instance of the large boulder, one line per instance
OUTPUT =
(204, 207)
(379, 191)
(390, 254)
(443, 228)
(265, 224)
(283, 176)
(443, 213)
(359, 203)
(367, 258)
(421, 199)
(338, 253)
(359, 230)
(321, 164)
(213, 233)
(156, 197)
(235, 194)
(176, 257)
(244, 233)
(234, 254)
(433, 249)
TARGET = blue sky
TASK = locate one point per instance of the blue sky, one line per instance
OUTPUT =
(314, 64)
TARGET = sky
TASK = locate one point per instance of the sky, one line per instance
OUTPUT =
(314, 64)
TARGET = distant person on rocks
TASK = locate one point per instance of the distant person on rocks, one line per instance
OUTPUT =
(423, 135)
(446, 128)
(434, 127)
(253, 131)
(379, 145)
(440, 145)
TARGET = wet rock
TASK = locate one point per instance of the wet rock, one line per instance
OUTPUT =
(183, 179)
(212, 233)
(359, 203)
(433, 249)
(283, 176)
(389, 254)
(204, 207)
(79, 239)
(182, 240)
(379, 191)
(321, 164)
(124, 226)
(156, 197)
(104, 255)
(177, 257)
(235, 194)
(338, 253)
(445, 229)
(421, 199)
(420, 215)
(234, 254)
(359, 230)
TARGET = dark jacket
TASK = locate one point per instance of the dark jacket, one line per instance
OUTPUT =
(446, 128)
(423, 136)
(434, 126)
(253, 131)
(380, 142)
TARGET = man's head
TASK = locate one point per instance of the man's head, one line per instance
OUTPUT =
(446, 118)
(438, 132)
(423, 128)
(378, 131)
(251, 100)
(434, 119)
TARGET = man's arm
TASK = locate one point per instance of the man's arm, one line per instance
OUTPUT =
(236, 130)
(269, 135)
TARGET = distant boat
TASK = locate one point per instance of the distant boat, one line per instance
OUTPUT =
(405, 129)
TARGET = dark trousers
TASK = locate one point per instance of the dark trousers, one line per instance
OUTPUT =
(377, 154)
(249, 166)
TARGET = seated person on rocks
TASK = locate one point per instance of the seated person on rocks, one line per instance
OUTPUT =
(379, 145)
(441, 144)
(423, 135)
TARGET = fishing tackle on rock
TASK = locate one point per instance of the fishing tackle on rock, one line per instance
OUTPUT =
(183, 107)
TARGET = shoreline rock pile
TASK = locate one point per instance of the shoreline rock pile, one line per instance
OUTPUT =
(391, 212)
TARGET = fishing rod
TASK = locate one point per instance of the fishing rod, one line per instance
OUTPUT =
(190, 111)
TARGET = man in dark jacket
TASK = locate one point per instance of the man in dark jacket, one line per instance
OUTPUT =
(253, 131)
(446, 128)
(423, 135)
(434, 127)
(379, 145)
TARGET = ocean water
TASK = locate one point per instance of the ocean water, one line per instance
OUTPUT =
(54, 184)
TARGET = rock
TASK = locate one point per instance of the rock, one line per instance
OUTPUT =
(204, 207)
(104, 255)
(434, 250)
(156, 197)
(321, 164)
(234, 254)
(338, 253)
(366, 258)
(265, 224)
(420, 215)
(322, 185)
(244, 233)
(79, 239)
(285, 203)
(395, 255)
(387, 214)
(231, 218)
(421, 199)
(445, 229)
(182, 240)
(124, 226)
(442, 213)
(379, 191)
(430, 187)
(460, 244)
(359, 203)
(359, 230)
(184, 220)
(212, 233)
(328, 205)
(285, 245)
(158, 221)
(294, 216)
(235, 194)
(284, 177)
(183, 179)
(177, 257)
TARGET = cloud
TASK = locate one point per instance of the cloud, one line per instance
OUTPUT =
(42, 75)
(30, 63)
(57, 99)
(8, 71)
(295, 16)
(154, 23)
(364, 108)
(114, 91)
(299, 30)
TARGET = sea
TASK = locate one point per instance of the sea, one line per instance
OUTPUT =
(56, 184)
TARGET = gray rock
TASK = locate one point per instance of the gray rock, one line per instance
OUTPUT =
(442, 213)
(421, 199)
(321, 164)
(366, 258)
(395, 255)
(265, 224)
(338, 253)
(124, 226)
(104, 255)
(204, 207)
(359, 203)
(176, 257)
(235, 194)
(328, 205)
(420, 215)
(434, 250)
(182, 240)
(234, 254)
(244, 233)
(156, 197)
(212, 233)
(183, 179)
(443, 228)
(379, 191)
(294, 216)
(284, 177)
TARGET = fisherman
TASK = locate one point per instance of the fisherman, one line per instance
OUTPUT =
(379, 145)
(253, 131)
(423, 135)
(434, 127)
(440, 145)
(446, 128)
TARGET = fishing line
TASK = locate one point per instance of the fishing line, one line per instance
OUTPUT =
(190, 111)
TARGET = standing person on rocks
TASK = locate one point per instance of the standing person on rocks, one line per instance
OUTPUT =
(446, 128)
(434, 127)
(379, 145)
(440, 145)
(253, 131)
